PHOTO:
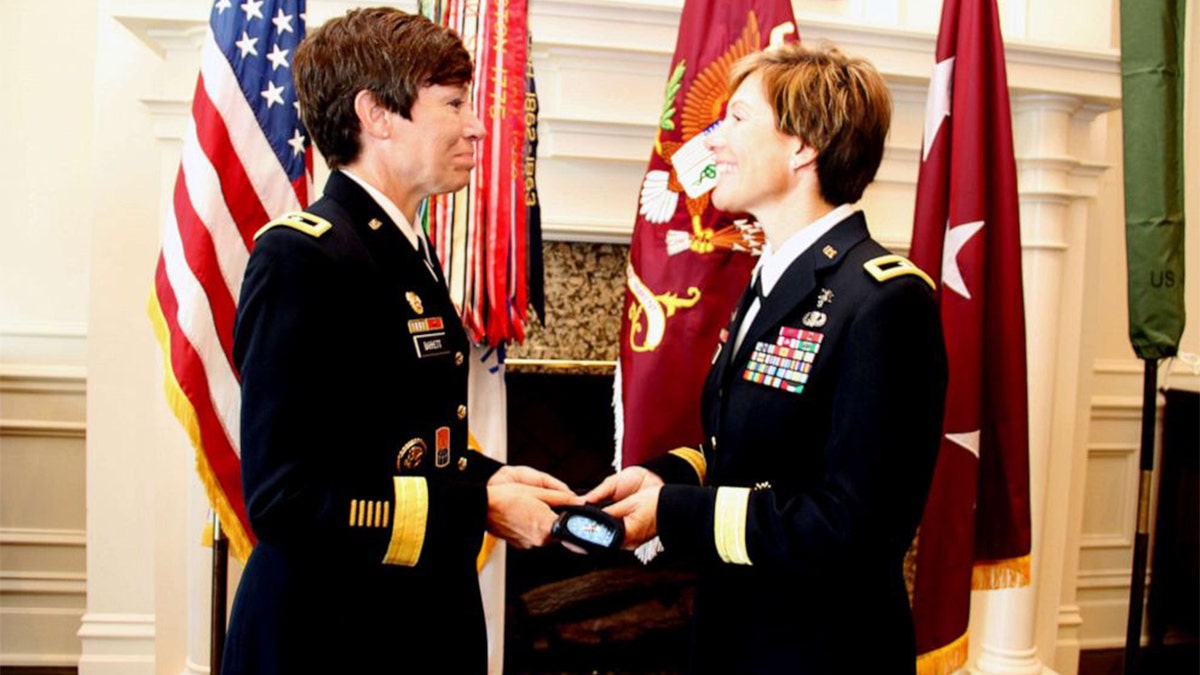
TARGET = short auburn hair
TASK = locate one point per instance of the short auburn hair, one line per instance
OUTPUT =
(837, 105)
(385, 51)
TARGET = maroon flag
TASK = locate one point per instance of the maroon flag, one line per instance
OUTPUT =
(976, 528)
(688, 262)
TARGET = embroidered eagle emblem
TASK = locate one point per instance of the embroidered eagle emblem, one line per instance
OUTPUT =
(703, 104)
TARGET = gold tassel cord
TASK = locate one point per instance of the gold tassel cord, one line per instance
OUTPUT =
(988, 575)
(944, 660)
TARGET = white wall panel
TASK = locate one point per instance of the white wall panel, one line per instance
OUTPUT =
(43, 582)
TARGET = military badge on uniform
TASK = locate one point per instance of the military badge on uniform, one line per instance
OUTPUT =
(814, 319)
(430, 325)
(374, 223)
(786, 363)
(441, 444)
(410, 455)
(829, 251)
(414, 301)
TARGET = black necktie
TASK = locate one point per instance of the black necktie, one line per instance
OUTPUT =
(754, 291)
(423, 246)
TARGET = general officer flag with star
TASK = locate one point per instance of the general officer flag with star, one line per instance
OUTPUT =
(967, 233)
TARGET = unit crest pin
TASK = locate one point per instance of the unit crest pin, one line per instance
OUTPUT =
(414, 301)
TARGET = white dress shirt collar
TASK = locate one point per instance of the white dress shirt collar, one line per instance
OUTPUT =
(774, 263)
(390, 208)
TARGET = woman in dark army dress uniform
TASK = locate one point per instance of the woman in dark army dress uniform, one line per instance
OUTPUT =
(823, 407)
(368, 508)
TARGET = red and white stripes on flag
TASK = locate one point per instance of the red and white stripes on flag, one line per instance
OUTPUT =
(244, 161)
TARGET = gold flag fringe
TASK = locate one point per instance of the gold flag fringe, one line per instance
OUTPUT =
(990, 575)
(485, 551)
(231, 525)
(943, 660)
(489, 542)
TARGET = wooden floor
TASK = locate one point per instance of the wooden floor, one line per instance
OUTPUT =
(1182, 659)
(1175, 660)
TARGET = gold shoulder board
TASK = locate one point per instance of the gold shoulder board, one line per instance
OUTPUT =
(891, 266)
(313, 226)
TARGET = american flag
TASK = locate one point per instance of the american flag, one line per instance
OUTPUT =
(245, 160)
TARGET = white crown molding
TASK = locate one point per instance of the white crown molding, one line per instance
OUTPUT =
(1091, 74)
(613, 140)
(43, 329)
(27, 582)
(1111, 449)
(111, 626)
(42, 428)
(164, 26)
(1069, 616)
(17, 536)
(20, 378)
(587, 230)
(1104, 541)
(1133, 366)
(573, 36)
(1107, 578)
(170, 116)
(1119, 407)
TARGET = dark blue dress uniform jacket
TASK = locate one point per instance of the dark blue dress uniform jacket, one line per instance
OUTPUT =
(368, 509)
(812, 496)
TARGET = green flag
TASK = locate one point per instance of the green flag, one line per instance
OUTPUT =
(1152, 57)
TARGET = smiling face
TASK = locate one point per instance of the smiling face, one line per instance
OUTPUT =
(753, 157)
(435, 151)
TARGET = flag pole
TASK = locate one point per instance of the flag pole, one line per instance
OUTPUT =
(220, 566)
(1137, 585)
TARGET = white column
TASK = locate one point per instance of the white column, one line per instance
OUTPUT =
(117, 632)
(139, 459)
(1052, 182)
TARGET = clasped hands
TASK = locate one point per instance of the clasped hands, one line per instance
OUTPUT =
(521, 503)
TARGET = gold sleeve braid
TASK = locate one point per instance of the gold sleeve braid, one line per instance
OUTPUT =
(695, 458)
(729, 525)
(411, 517)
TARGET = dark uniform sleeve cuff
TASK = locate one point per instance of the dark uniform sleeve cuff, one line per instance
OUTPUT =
(457, 520)
(478, 467)
(685, 521)
(684, 466)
